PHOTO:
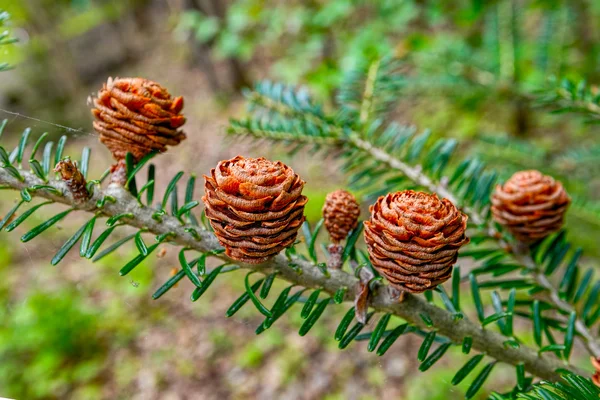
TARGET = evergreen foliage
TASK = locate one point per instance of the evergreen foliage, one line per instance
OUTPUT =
(568, 96)
(546, 285)
(5, 38)
(570, 387)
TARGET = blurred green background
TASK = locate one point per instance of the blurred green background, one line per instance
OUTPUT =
(472, 71)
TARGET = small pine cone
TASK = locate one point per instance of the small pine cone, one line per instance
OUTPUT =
(340, 211)
(530, 205)
(138, 116)
(74, 179)
(255, 207)
(413, 239)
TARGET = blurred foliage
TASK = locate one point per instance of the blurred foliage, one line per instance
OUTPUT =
(63, 45)
(312, 41)
(443, 388)
(56, 342)
(472, 52)
(568, 96)
(469, 66)
(51, 343)
(5, 39)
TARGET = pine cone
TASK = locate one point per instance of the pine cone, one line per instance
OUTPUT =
(413, 239)
(340, 211)
(138, 116)
(530, 205)
(255, 207)
(74, 179)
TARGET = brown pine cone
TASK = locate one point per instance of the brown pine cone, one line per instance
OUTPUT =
(340, 211)
(413, 239)
(138, 116)
(74, 179)
(530, 205)
(255, 207)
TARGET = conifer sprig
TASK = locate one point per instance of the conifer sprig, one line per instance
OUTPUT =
(543, 284)
(400, 158)
(121, 208)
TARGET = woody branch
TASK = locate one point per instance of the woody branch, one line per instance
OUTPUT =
(304, 274)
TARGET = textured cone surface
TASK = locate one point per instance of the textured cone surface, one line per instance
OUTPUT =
(340, 212)
(138, 116)
(74, 179)
(413, 239)
(530, 205)
(255, 207)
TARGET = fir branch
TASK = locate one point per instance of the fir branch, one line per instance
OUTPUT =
(571, 387)
(281, 133)
(371, 90)
(568, 96)
(336, 136)
(367, 103)
(374, 146)
(415, 174)
(588, 338)
(296, 270)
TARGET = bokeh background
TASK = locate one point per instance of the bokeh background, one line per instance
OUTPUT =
(473, 71)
